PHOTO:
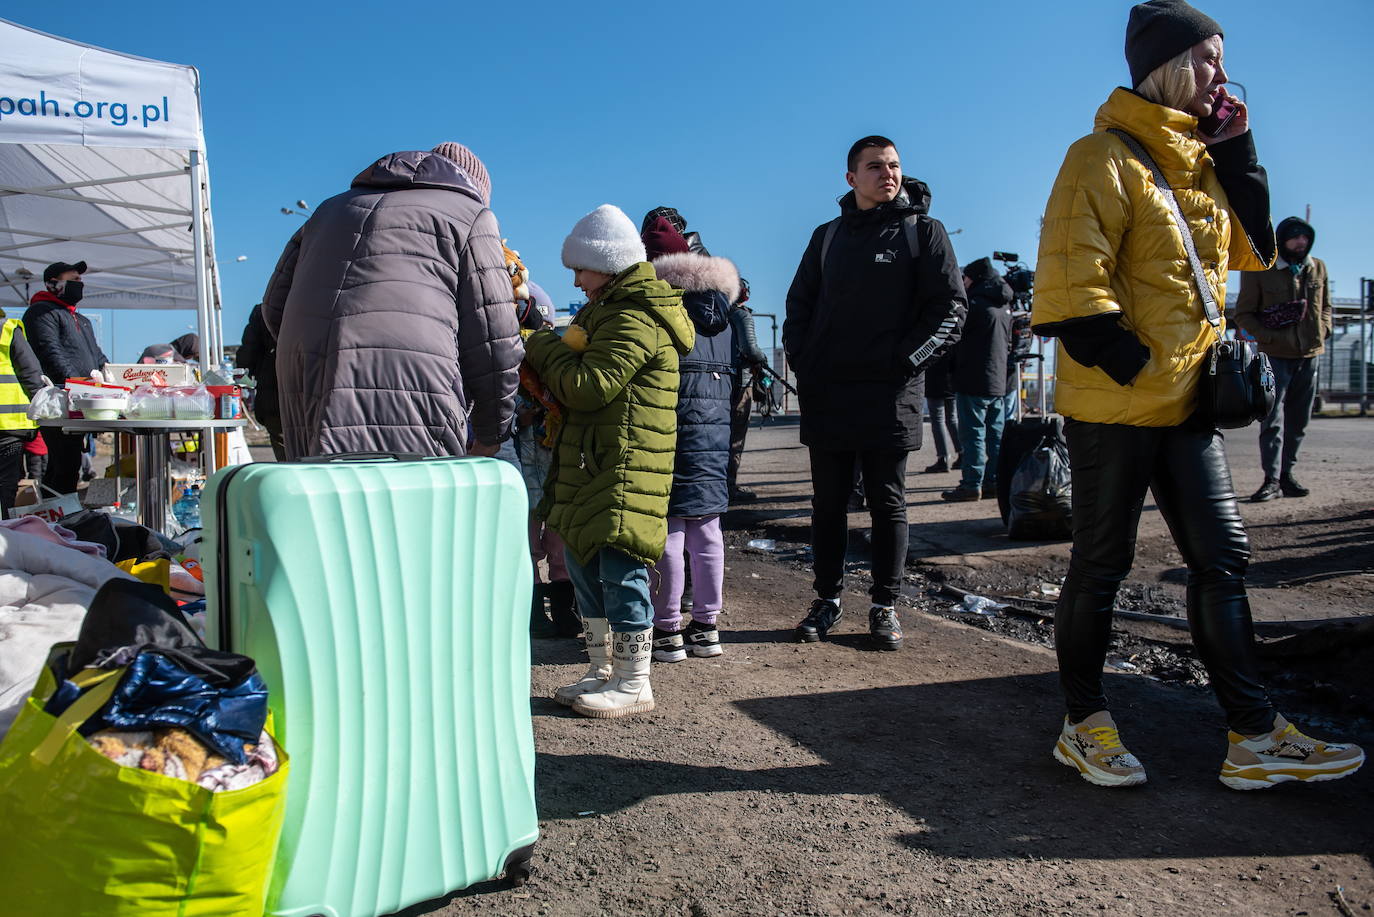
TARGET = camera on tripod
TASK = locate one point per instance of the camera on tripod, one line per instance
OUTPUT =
(1020, 278)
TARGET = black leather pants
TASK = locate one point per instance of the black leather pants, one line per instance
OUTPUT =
(1113, 465)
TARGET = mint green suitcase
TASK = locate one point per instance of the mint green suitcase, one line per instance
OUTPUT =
(386, 603)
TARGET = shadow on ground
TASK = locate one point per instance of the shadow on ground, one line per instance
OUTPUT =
(975, 754)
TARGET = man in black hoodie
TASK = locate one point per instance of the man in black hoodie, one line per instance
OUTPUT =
(876, 298)
(978, 367)
(1287, 309)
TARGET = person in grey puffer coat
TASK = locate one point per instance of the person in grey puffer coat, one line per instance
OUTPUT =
(393, 314)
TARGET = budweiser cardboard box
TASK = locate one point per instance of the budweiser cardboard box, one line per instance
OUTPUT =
(135, 374)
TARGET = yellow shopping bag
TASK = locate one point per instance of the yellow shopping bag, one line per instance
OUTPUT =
(84, 835)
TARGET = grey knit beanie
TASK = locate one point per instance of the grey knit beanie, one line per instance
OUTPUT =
(1160, 30)
(467, 160)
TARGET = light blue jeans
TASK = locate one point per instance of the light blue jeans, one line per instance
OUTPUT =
(980, 428)
(615, 586)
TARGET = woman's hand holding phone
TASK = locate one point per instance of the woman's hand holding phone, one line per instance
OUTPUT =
(1229, 118)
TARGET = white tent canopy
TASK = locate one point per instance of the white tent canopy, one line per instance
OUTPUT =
(102, 161)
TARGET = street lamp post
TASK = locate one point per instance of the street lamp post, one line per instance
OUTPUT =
(304, 210)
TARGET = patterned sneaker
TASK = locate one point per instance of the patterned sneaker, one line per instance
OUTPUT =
(1095, 750)
(1285, 754)
(702, 639)
(668, 646)
(824, 615)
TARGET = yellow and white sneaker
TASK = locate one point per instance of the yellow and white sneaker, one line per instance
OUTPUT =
(1095, 749)
(1285, 754)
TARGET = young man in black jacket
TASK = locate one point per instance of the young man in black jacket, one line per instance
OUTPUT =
(877, 296)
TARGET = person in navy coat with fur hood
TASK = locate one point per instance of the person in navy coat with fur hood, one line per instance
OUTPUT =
(700, 494)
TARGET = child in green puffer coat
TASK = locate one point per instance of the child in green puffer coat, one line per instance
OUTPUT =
(616, 373)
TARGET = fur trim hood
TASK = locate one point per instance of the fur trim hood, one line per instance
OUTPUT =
(693, 272)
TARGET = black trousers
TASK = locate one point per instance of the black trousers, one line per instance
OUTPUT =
(271, 422)
(34, 465)
(741, 405)
(11, 471)
(832, 481)
(64, 460)
(1113, 465)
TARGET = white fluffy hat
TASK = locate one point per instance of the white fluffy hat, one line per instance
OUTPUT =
(604, 240)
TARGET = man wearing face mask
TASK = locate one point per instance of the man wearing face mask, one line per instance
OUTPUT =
(1287, 309)
(66, 348)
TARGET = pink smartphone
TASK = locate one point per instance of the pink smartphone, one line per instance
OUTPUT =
(1215, 124)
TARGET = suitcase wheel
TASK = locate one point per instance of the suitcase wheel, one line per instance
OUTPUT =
(518, 867)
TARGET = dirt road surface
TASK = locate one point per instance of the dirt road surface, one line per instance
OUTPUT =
(833, 779)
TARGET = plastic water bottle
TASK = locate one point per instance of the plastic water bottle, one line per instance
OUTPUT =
(186, 510)
(982, 605)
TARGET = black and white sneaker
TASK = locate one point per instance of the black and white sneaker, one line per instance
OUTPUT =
(824, 614)
(703, 639)
(668, 646)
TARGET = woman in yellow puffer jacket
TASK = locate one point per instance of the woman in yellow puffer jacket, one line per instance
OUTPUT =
(1115, 286)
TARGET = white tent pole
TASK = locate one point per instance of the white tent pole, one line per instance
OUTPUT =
(207, 437)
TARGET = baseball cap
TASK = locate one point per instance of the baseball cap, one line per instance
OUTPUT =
(61, 267)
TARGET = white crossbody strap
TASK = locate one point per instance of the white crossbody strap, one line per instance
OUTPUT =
(1204, 286)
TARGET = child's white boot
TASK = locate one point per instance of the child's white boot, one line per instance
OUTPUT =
(628, 689)
(598, 638)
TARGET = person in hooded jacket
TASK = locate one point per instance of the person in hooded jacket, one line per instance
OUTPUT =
(615, 372)
(876, 298)
(701, 490)
(394, 317)
(1115, 286)
(978, 367)
(64, 342)
(1287, 310)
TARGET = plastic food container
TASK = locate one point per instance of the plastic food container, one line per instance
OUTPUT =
(100, 405)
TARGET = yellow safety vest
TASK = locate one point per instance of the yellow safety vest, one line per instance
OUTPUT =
(14, 404)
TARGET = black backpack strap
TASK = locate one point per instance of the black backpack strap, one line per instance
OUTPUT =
(909, 228)
(830, 229)
(909, 225)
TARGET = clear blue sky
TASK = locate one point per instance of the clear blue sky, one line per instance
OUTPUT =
(738, 113)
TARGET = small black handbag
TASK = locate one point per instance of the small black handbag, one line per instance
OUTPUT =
(1237, 386)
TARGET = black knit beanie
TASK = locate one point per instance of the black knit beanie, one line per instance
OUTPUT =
(1160, 30)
